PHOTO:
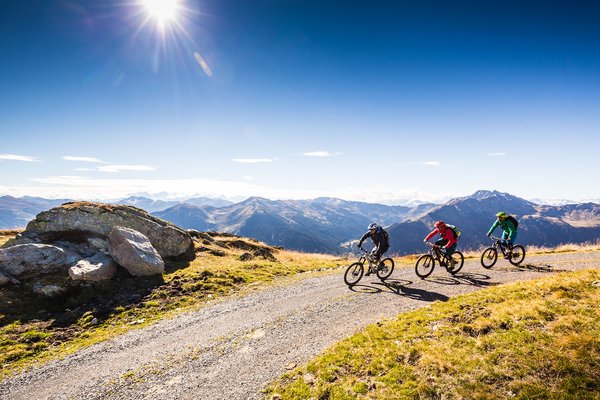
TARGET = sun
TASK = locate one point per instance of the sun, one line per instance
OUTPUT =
(163, 11)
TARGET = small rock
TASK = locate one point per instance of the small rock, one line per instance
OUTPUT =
(94, 321)
(309, 378)
(50, 291)
(100, 267)
(137, 321)
(290, 366)
(596, 283)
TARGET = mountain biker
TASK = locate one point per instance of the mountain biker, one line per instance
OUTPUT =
(449, 239)
(509, 228)
(379, 237)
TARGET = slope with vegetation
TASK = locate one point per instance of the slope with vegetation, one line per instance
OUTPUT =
(536, 339)
(34, 329)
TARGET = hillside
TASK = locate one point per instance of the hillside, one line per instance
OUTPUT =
(526, 340)
(33, 328)
(319, 225)
(17, 212)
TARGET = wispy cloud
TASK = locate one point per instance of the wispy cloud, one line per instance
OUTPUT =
(16, 157)
(120, 168)
(320, 153)
(430, 163)
(253, 160)
(499, 154)
(84, 169)
(83, 159)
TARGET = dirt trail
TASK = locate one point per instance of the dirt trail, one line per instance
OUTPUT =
(232, 349)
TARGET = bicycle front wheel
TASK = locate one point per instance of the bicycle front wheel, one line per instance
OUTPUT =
(354, 273)
(518, 255)
(424, 266)
(459, 260)
(385, 269)
(489, 257)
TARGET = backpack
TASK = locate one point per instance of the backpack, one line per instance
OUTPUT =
(386, 235)
(454, 229)
(513, 220)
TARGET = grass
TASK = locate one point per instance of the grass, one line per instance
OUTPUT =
(529, 340)
(34, 330)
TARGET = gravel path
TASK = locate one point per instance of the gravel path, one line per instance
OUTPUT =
(233, 348)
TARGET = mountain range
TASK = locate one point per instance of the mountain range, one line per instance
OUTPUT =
(330, 225)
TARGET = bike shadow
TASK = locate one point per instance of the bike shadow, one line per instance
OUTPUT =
(540, 268)
(467, 278)
(400, 287)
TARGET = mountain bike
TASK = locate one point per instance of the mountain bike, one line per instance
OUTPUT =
(425, 263)
(356, 270)
(515, 256)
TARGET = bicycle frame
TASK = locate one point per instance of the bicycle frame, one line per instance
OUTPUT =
(367, 257)
(498, 243)
(438, 255)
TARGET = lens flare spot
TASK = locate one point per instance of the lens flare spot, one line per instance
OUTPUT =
(203, 64)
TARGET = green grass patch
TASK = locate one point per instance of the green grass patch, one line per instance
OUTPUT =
(529, 340)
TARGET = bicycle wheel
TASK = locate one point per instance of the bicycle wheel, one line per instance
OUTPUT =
(385, 269)
(489, 257)
(459, 260)
(424, 266)
(518, 255)
(354, 273)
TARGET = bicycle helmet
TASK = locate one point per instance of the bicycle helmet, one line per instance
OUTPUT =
(440, 224)
(501, 214)
(373, 225)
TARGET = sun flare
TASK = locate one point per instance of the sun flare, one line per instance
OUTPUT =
(162, 11)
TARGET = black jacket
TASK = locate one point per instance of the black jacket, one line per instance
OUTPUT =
(379, 238)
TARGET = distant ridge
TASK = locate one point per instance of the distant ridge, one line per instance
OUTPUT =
(329, 225)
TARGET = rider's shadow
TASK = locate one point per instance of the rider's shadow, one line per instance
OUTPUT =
(401, 287)
(478, 280)
(540, 268)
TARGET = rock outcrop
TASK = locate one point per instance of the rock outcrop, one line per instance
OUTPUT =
(100, 267)
(81, 221)
(134, 252)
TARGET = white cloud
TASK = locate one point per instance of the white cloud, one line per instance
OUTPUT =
(430, 163)
(83, 159)
(119, 168)
(253, 160)
(499, 154)
(16, 157)
(84, 169)
(320, 153)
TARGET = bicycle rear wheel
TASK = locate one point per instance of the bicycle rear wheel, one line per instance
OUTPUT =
(353, 273)
(459, 260)
(424, 266)
(489, 257)
(517, 255)
(385, 269)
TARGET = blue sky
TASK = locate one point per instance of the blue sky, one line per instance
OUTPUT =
(376, 101)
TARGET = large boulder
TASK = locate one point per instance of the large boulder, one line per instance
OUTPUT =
(80, 221)
(100, 267)
(134, 252)
(32, 259)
